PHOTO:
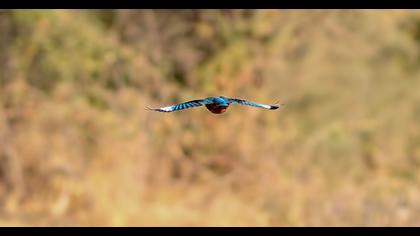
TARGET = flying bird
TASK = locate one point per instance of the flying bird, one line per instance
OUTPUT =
(216, 105)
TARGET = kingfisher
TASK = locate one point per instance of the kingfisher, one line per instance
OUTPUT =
(216, 105)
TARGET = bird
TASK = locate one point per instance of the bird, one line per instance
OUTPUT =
(216, 105)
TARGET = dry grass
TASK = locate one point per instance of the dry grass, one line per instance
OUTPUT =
(77, 147)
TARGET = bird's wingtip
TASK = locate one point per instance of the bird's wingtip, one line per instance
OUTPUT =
(277, 105)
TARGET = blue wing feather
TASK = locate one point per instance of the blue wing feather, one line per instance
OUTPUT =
(181, 106)
(254, 104)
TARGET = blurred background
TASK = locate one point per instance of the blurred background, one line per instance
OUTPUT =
(77, 147)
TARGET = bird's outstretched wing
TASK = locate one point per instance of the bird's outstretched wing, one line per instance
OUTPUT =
(254, 104)
(180, 106)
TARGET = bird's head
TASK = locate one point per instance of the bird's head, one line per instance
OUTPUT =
(221, 101)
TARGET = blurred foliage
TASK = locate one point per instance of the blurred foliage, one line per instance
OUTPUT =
(77, 147)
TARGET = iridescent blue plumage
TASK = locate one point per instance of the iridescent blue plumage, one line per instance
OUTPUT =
(216, 105)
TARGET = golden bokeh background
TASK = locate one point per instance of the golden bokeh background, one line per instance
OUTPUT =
(77, 147)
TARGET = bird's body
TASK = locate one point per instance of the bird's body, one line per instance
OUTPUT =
(216, 105)
(216, 109)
